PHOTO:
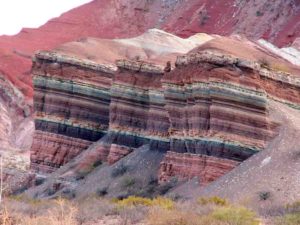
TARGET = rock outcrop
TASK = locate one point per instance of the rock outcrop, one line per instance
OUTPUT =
(78, 101)
(71, 101)
(206, 115)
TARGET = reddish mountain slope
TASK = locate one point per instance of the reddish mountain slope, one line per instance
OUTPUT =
(126, 18)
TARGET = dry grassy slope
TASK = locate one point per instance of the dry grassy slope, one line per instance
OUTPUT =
(275, 170)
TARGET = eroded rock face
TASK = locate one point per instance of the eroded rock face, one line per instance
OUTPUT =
(188, 166)
(72, 109)
(207, 115)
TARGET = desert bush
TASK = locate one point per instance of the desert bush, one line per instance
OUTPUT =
(68, 193)
(264, 195)
(128, 182)
(215, 200)
(289, 219)
(93, 209)
(234, 215)
(292, 216)
(165, 203)
(158, 216)
(293, 208)
(157, 202)
(97, 163)
(83, 172)
(119, 170)
(134, 201)
(62, 212)
(39, 181)
(102, 191)
(167, 186)
(259, 13)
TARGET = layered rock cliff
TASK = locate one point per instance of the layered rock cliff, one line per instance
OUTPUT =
(78, 100)
(206, 115)
(71, 101)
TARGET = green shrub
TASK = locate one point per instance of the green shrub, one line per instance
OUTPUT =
(264, 195)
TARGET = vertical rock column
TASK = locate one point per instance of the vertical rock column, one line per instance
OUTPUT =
(71, 103)
(218, 116)
(137, 114)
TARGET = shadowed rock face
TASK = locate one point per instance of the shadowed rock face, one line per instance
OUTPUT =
(207, 115)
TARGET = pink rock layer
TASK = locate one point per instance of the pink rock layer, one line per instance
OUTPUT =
(187, 166)
(117, 152)
(49, 151)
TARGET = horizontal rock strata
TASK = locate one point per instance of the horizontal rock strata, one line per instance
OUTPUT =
(217, 107)
(137, 113)
(72, 103)
(208, 114)
(188, 166)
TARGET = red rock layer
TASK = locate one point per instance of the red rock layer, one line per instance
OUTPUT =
(217, 107)
(72, 103)
(49, 151)
(137, 105)
(187, 166)
(117, 152)
(217, 102)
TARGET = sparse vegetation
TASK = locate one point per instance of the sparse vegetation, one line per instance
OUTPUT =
(82, 173)
(289, 219)
(157, 202)
(259, 13)
(264, 63)
(165, 187)
(39, 181)
(102, 191)
(264, 195)
(235, 215)
(128, 182)
(97, 163)
(229, 215)
(215, 200)
(119, 170)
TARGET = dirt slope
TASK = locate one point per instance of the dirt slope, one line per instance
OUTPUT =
(274, 170)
